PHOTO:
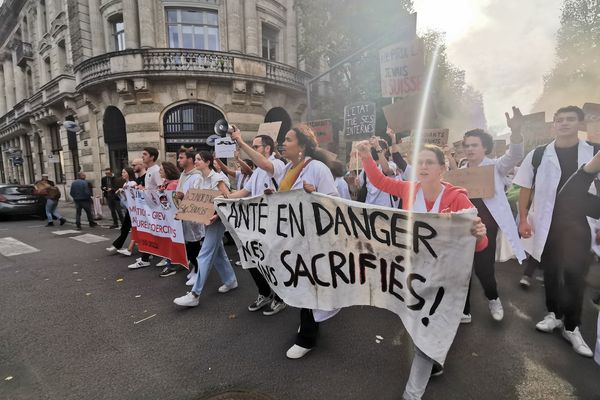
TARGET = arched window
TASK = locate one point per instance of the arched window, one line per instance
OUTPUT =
(189, 125)
(115, 137)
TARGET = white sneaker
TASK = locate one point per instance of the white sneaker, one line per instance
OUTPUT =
(189, 300)
(112, 250)
(189, 275)
(139, 264)
(496, 309)
(296, 352)
(274, 308)
(260, 302)
(125, 252)
(162, 263)
(579, 345)
(227, 288)
(192, 280)
(549, 323)
(465, 319)
(525, 282)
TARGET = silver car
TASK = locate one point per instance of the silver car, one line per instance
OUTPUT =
(20, 200)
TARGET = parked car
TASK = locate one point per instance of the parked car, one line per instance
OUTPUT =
(20, 200)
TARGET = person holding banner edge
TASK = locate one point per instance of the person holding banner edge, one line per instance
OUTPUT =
(308, 169)
(212, 251)
(495, 211)
(266, 177)
(430, 195)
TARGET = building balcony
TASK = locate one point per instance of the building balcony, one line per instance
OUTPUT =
(24, 53)
(148, 63)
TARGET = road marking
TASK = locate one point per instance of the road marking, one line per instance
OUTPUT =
(142, 320)
(519, 313)
(12, 247)
(35, 226)
(89, 238)
(65, 232)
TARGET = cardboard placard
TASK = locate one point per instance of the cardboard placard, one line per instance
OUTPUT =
(197, 206)
(401, 68)
(225, 147)
(323, 130)
(478, 181)
(401, 115)
(438, 137)
(355, 162)
(593, 132)
(359, 119)
(270, 129)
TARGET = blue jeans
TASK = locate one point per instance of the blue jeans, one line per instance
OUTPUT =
(213, 252)
(51, 209)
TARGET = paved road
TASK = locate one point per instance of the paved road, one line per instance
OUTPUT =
(69, 329)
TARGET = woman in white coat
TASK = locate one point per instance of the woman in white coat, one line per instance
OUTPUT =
(306, 170)
(494, 211)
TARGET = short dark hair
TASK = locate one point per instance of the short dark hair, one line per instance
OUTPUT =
(486, 139)
(337, 168)
(267, 141)
(107, 169)
(208, 158)
(575, 109)
(152, 151)
(189, 152)
(439, 154)
(171, 171)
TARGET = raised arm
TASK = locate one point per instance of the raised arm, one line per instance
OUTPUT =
(258, 159)
(376, 177)
(225, 168)
(516, 149)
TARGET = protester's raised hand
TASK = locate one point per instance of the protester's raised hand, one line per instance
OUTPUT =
(478, 229)
(213, 219)
(516, 122)
(525, 230)
(364, 148)
(236, 134)
(390, 132)
(374, 142)
(308, 187)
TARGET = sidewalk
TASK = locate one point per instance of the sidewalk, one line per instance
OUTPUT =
(67, 210)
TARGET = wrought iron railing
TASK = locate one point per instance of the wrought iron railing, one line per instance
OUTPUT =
(184, 61)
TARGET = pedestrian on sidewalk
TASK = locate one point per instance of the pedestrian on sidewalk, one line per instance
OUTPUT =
(81, 194)
(52, 194)
(110, 184)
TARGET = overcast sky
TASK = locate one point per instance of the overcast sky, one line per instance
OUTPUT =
(505, 47)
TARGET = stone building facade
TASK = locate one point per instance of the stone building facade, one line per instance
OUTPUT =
(135, 73)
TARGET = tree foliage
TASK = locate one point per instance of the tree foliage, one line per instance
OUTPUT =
(575, 78)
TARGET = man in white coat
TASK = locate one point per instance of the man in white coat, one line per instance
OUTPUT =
(268, 174)
(495, 211)
(560, 160)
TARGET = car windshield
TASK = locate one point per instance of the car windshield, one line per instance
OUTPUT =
(17, 190)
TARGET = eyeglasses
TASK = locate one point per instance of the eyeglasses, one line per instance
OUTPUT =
(257, 146)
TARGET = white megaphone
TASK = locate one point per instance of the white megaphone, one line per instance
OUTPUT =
(222, 128)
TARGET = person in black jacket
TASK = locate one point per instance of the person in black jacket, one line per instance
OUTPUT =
(81, 194)
(572, 252)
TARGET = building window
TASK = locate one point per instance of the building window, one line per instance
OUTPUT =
(118, 33)
(40, 148)
(62, 56)
(269, 42)
(56, 149)
(193, 29)
(43, 16)
(47, 69)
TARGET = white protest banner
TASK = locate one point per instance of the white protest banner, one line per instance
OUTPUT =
(323, 252)
(270, 129)
(359, 119)
(153, 224)
(225, 147)
(197, 206)
(401, 68)
(478, 181)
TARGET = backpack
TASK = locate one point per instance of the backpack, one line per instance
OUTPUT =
(362, 192)
(54, 193)
(536, 160)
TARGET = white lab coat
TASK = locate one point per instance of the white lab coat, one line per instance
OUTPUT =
(546, 184)
(498, 204)
(376, 196)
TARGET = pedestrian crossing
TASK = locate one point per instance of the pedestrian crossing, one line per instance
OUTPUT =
(10, 246)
